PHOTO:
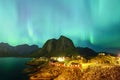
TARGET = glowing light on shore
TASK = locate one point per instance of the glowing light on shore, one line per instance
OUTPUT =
(61, 59)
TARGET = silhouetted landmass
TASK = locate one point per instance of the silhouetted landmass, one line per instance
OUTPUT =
(56, 47)
(86, 52)
(25, 49)
(53, 47)
(6, 50)
(16, 51)
(63, 47)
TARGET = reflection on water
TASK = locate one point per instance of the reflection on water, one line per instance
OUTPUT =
(11, 68)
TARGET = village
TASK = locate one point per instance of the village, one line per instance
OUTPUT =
(78, 61)
(49, 68)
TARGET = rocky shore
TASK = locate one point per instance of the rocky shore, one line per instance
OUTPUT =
(102, 67)
(101, 72)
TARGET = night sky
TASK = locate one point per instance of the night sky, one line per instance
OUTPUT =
(86, 22)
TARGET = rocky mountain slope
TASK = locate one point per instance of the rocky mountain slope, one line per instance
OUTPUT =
(62, 47)
(7, 50)
(53, 47)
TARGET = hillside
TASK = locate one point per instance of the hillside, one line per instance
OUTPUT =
(62, 47)
(24, 50)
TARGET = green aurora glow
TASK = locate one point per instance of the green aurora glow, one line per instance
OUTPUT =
(35, 21)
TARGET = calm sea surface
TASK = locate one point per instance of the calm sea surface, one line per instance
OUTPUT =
(12, 68)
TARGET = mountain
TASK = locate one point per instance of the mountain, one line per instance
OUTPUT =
(62, 47)
(109, 50)
(7, 50)
(53, 47)
(56, 47)
(26, 49)
(86, 52)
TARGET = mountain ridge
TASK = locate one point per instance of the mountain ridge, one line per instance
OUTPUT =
(62, 46)
(22, 50)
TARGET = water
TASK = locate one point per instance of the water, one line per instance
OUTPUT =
(12, 68)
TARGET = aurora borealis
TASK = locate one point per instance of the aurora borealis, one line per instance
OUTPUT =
(84, 21)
